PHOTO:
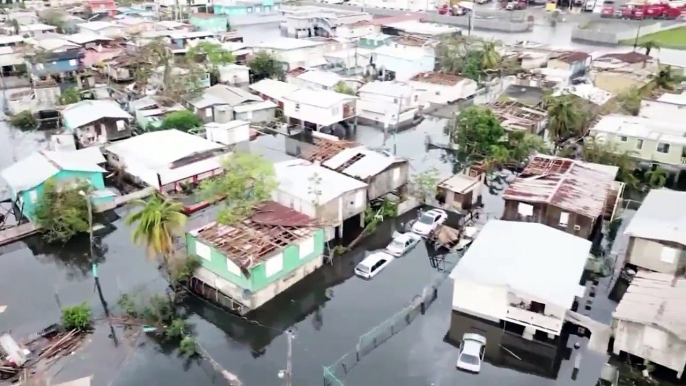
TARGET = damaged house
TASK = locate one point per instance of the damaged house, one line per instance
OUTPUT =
(96, 122)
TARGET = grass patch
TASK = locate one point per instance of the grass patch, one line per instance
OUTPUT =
(674, 38)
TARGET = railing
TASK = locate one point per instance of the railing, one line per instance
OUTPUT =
(540, 321)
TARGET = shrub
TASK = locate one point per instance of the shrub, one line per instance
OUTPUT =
(24, 121)
(77, 317)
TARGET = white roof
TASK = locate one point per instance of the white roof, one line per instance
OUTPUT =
(677, 99)
(657, 300)
(98, 25)
(589, 92)
(11, 39)
(318, 98)
(11, 59)
(661, 216)
(324, 78)
(417, 27)
(85, 37)
(39, 167)
(662, 111)
(286, 44)
(371, 164)
(85, 112)
(273, 88)
(170, 24)
(393, 89)
(528, 258)
(401, 53)
(156, 150)
(227, 126)
(191, 35)
(54, 43)
(254, 106)
(295, 178)
(36, 27)
(638, 127)
(132, 21)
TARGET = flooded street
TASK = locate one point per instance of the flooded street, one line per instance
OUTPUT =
(329, 310)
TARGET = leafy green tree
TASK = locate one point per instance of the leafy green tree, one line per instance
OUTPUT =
(248, 180)
(631, 101)
(183, 120)
(469, 57)
(656, 177)
(606, 153)
(665, 79)
(54, 18)
(24, 121)
(650, 45)
(157, 222)
(565, 118)
(61, 211)
(343, 88)
(76, 317)
(423, 185)
(476, 130)
(70, 96)
(264, 65)
(213, 53)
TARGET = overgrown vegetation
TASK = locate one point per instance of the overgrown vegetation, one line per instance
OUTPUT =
(343, 88)
(183, 120)
(25, 120)
(157, 221)
(471, 57)
(566, 117)
(249, 179)
(264, 65)
(213, 55)
(76, 317)
(630, 101)
(423, 185)
(61, 211)
(609, 154)
(70, 96)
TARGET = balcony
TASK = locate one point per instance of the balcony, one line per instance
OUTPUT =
(539, 321)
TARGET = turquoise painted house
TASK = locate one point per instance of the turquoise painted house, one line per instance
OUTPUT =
(209, 22)
(239, 8)
(26, 178)
(245, 265)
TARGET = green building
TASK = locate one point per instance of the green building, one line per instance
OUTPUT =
(245, 265)
(374, 41)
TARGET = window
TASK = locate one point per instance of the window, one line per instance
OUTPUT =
(203, 251)
(564, 219)
(33, 196)
(683, 151)
(623, 139)
(274, 265)
(248, 115)
(232, 267)
(639, 144)
(663, 148)
(359, 199)
(121, 125)
(525, 209)
(306, 247)
(297, 107)
(668, 255)
(395, 100)
(208, 112)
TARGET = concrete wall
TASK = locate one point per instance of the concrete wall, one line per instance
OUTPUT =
(651, 344)
(647, 254)
(608, 37)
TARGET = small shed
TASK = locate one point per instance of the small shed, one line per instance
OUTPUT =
(97, 121)
(650, 321)
(229, 133)
(461, 191)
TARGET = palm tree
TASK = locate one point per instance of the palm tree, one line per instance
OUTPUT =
(649, 46)
(157, 221)
(664, 78)
(490, 58)
(564, 118)
(657, 177)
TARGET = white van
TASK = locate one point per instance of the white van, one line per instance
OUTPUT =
(373, 264)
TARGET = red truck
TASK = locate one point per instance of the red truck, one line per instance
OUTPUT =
(651, 11)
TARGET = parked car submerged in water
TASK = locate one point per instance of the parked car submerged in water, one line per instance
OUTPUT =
(402, 243)
(471, 352)
(373, 264)
(428, 221)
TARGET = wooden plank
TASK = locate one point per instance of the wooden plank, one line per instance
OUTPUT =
(17, 233)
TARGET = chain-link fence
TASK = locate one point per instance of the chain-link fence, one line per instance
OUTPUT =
(383, 332)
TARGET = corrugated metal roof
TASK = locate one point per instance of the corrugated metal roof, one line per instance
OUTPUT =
(368, 163)
(564, 183)
(232, 96)
(510, 254)
(85, 112)
(662, 216)
(655, 299)
(295, 178)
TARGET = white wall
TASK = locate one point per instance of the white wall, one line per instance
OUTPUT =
(196, 168)
(404, 68)
(441, 94)
(303, 206)
(650, 343)
(229, 136)
(488, 302)
(314, 114)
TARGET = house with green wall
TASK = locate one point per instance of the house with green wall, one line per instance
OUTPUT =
(26, 179)
(248, 7)
(246, 264)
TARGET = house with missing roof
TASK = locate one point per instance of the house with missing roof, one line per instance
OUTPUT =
(439, 88)
(461, 192)
(246, 264)
(221, 103)
(96, 122)
(649, 321)
(509, 278)
(564, 194)
(167, 159)
(318, 192)
(657, 233)
(575, 62)
(26, 178)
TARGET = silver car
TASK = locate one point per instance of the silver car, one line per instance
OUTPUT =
(402, 243)
(471, 353)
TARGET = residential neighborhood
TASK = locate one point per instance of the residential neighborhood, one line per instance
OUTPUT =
(346, 193)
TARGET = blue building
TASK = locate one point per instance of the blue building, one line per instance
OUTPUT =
(26, 178)
(56, 62)
(238, 8)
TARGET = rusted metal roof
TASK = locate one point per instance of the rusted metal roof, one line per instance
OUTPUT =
(572, 56)
(564, 183)
(271, 228)
(631, 57)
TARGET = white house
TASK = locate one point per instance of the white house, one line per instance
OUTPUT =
(36, 29)
(229, 133)
(403, 63)
(443, 88)
(102, 28)
(649, 321)
(316, 79)
(337, 198)
(357, 29)
(221, 103)
(300, 52)
(319, 108)
(309, 21)
(166, 159)
(234, 74)
(274, 90)
(521, 273)
(387, 103)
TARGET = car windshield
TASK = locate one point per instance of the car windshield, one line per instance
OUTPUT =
(363, 268)
(469, 359)
(395, 244)
(426, 219)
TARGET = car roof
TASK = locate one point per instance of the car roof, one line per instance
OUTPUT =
(471, 347)
(374, 258)
(434, 212)
(404, 237)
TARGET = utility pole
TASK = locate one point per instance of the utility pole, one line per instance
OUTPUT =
(397, 123)
(289, 363)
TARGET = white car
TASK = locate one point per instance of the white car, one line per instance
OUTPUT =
(471, 352)
(402, 243)
(373, 264)
(428, 222)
